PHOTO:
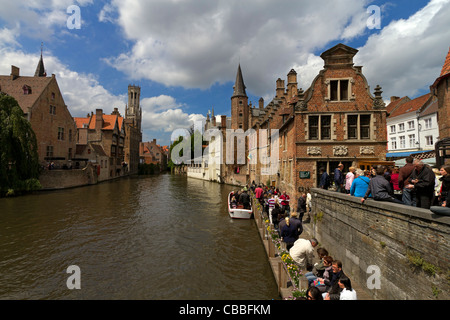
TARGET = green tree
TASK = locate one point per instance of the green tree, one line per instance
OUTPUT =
(19, 161)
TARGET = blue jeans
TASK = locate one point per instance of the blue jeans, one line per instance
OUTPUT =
(311, 277)
(443, 211)
(409, 197)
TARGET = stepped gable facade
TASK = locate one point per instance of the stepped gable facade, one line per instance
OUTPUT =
(336, 120)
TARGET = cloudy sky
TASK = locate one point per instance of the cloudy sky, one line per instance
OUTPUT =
(184, 53)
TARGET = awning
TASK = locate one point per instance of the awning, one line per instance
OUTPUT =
(431, 162)
(405, 154)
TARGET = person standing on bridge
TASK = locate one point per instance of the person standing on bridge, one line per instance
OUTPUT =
(259, 194)
(284, 198)
(324, 179)
(301, 206)
(422, 180)
(408, 195)
(339, 178)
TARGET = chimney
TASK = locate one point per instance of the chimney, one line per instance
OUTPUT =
(15, 72)
(154, 141)
(98, 119)
(280, 88)
(292, 83)
(223, 121)
(394, 98)
(261, 103)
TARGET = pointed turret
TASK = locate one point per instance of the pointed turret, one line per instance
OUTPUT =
(239, 86)
(40, 69)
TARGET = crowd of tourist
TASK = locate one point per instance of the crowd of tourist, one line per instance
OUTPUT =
(326, 279)
(415, 184)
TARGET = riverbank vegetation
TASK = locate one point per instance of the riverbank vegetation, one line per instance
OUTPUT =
(19, 161)
(195, 140)
(148, 169)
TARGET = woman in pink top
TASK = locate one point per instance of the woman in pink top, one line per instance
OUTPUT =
(349, 179)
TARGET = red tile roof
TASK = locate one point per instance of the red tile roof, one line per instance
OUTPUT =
(80, 122)
(14, 88)
(393, 105)
(109, 122)
(411, 106)
(446, 67)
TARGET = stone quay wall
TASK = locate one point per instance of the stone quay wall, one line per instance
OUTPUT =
(396, 252)
(61, 179)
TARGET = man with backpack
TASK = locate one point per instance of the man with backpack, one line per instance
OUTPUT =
(324, 179)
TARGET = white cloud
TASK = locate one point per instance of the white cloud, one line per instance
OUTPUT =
(106, 14)
(408, 54)
(162, 102)
(38, 18)
(197, 43)
(82, 93)
(169, 120)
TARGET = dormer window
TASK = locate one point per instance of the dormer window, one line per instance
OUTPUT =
(26, 90)
(339, 90)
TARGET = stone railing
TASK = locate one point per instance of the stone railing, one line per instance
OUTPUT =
(396, 251)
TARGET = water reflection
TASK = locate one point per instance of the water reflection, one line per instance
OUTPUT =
(162, 237)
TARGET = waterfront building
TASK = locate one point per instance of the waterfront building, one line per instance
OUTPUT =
(337, 120)
(101, 140)
(152, 153)
(212, 165)
(43, 105)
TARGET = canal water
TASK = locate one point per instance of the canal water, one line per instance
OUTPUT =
(162, 237)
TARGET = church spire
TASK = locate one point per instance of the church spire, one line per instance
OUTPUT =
(239, 86)
(40, 69)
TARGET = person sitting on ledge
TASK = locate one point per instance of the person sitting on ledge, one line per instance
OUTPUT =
(380, 188)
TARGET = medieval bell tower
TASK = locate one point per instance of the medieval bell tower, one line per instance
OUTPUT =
(239, 104)
(133, 110)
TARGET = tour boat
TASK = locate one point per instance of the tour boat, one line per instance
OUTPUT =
(239, 212)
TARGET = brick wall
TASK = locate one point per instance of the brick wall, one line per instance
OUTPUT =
(46, 124)
(60, 179)
(381, 234)
(444, 108)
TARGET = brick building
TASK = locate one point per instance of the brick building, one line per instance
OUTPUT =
(41, 100)
(101, 139)
(133, 133)
(337, 120)
(440, 89)
(152, 153)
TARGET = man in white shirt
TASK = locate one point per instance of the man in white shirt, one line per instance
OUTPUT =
(303, 252)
